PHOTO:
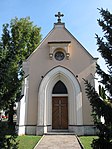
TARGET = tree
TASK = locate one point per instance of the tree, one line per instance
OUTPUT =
(19, 39)
(9, 141)
(102, 103)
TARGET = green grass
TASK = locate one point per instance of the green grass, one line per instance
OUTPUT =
(28, 142)
(86, 141)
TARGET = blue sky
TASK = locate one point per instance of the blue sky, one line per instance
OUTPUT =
(80, 16)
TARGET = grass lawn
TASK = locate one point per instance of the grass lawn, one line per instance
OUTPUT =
(86, 141)
(28, 142)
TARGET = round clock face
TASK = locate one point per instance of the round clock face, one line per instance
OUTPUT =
(59, 55)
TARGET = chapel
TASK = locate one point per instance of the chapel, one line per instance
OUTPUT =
(54, 98)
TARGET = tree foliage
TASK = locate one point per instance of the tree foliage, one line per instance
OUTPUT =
(105, 48)
(102, 103)
(19, 39)
(100, 108)
(7, 141)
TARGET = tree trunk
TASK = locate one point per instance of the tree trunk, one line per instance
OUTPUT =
(11, 113)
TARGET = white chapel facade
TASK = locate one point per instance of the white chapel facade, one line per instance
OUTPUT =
(54, 96)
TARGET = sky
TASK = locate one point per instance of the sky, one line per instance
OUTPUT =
(80, 17)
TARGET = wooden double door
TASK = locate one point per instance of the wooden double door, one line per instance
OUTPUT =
(60, 113)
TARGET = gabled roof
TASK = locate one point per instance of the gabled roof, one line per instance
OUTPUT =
(50, 33)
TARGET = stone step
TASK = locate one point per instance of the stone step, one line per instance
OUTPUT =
(59, 133)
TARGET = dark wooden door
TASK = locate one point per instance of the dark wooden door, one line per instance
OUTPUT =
(60, 112)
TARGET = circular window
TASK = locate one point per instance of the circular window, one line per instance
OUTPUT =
(59, 55)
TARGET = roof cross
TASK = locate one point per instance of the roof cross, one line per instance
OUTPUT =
(59, 15)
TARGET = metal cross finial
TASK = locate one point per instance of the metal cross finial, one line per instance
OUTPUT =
(59, 15)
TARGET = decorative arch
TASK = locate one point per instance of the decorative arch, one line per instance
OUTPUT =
(45, 98)
(59, 88)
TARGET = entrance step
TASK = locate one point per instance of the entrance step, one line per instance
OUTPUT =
(59, 133)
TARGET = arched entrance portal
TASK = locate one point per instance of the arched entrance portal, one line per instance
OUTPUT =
(59, 106)
(48, 97)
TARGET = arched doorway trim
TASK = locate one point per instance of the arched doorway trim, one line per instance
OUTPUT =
(45, 97)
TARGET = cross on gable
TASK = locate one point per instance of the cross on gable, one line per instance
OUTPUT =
(59, 15)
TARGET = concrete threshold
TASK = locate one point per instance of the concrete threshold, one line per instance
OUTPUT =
(59, 133)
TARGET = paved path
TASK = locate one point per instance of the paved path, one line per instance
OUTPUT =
(58, 142)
